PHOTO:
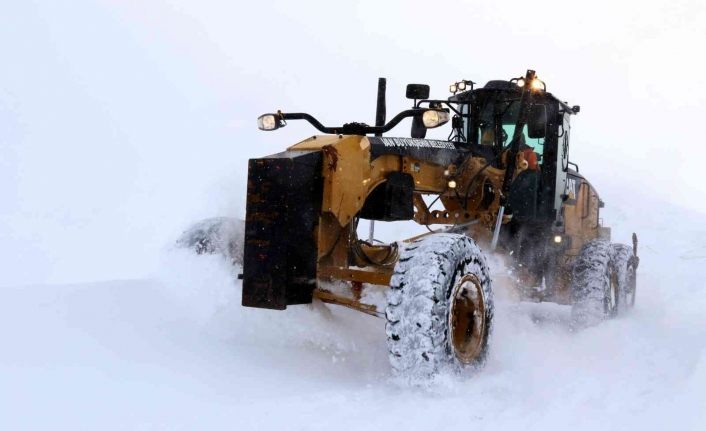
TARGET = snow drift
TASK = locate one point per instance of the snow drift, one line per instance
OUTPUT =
(179, 352)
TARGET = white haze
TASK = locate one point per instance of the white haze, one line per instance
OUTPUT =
(121, 122)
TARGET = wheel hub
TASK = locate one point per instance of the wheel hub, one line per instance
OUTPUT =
(612, 294)
(467, 319)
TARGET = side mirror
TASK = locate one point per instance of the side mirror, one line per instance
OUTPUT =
(537, 122)
(417, 91)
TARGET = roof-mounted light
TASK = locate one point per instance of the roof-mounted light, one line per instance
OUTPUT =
(538, 84)
(461, 86)
(531, 80)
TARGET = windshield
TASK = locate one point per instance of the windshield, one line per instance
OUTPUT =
(490, 112)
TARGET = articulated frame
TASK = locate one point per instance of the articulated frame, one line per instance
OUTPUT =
(349, 176)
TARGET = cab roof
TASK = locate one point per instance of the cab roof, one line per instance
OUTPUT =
(496, 86)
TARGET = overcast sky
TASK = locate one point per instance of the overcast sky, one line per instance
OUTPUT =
(121, 122)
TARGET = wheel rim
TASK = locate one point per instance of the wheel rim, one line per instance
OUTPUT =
(467, 319)
(630, 300)
(613, 294)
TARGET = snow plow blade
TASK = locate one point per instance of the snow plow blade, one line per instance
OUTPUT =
(282, 214)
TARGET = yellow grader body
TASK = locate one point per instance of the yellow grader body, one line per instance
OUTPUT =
(475, 190)
(348, 179)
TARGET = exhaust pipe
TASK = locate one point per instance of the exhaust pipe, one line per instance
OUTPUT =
(380, 114)
(381, 108)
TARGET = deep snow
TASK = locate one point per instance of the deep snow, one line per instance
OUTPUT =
(178, 352)
(121, 122)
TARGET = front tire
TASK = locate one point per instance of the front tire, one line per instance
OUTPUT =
(440, 307)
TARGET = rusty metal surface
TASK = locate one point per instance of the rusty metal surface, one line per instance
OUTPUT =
(371, 275)
(331, 298)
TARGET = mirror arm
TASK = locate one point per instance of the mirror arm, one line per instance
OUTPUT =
(313, 121)
(396, 120)
(445, 102)
(353, 129)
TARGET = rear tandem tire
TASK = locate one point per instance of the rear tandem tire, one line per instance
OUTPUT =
(440, 306)
(603, 282)
(625, 265)
(593, 296)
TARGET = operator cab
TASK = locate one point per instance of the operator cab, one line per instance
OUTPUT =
(534, 197)
(490, 116)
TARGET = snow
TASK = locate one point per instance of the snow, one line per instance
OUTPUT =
(123, 122)
(177, 351)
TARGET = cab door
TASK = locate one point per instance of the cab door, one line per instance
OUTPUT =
(562, 163)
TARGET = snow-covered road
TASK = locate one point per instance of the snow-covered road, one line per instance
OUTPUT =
(122, 122)
(177, 351)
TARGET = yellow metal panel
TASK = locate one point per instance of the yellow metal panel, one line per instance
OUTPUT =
(371, 275)
(314, 143)
(346, 168)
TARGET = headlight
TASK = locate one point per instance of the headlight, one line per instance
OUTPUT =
(453, 88)
(268, 122)
(432, 118)
(557, 239)
(461, 86)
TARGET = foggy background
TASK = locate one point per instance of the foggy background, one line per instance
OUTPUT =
(123, 121)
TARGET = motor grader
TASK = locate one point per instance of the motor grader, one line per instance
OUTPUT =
(502, 182)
